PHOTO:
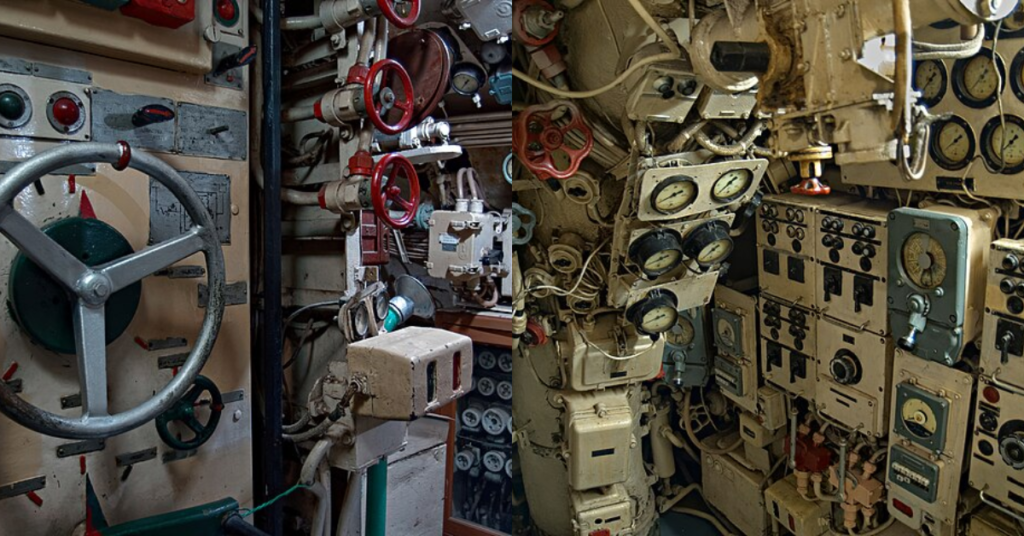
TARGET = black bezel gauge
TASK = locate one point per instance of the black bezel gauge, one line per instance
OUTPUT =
(471, 71)
(962, 86)
(939, 146)
(726, 181)
(672, 186)
(698, 243)
(1012, 26)
(656, 301)
(657, 252)
(992, 159)
(936, 74)
(1017, 75)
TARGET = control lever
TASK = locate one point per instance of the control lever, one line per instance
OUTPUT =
(1004, 346)
(918, 306)
(679, 363)
(151, 115)
(239, 59)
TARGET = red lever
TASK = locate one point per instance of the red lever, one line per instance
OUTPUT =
(541, 139)
(387, 194)
(380, 97)
(390, 10)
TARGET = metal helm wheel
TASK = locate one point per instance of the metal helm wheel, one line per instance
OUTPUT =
(184, 412)
(384, 188)
(389, 8)
(92, 286)
(380, 97)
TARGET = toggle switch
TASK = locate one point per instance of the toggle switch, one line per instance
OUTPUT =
(152, 114)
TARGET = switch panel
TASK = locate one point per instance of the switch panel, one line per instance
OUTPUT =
(788, 346)
(734, 322)
(793, 512)
(42, 103)
(997, 459)
(854, 374)
(685, 360)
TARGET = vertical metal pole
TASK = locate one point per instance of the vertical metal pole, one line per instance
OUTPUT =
(271, 374)
(377, 498)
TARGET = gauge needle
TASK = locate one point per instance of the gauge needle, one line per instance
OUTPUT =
(984, 75)
(955, 141)
(930, 79)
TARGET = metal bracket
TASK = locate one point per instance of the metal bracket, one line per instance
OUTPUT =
(82, 447)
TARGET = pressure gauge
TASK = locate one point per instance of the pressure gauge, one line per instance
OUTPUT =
(924, 261)
(682, 333)
(1017, 75)
(673, 194)
(919, 418)
(361, 321)
(1003, 146)
(708, 244)
(467, 79)
(657, 252)
(655, 313)
(380, 306)
(977, 80)
(930, 79)
(952, 143)
(731, 185)
(1013, 24)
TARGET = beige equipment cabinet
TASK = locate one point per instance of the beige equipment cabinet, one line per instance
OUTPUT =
(734, 489)
(854, 375)
(793, 513)
(997, 460)
(114, 65)
(789, 343)
(1002, 334)
(734, 324)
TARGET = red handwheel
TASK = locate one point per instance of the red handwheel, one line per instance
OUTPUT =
(387, 193)
(552, 140)
(380, 97)
(390, 9)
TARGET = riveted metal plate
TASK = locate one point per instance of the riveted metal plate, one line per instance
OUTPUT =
(232, 78)
(234, 294)
(132, 458)
(20, 488)
(214, 132)
(167, 216)
(81, 447)
(15, 66)
(112, 121)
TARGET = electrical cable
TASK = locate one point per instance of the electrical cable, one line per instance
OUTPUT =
(688, 427)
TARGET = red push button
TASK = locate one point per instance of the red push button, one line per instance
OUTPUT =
(66, 112)
(226, 10)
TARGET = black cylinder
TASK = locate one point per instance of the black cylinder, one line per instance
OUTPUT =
(740, 57)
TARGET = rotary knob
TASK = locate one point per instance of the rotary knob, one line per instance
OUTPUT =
(845, 368)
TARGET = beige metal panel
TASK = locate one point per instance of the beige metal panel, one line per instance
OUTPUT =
(788, 346)
(599, 436)
(742, 355)
(734, 490)
(793, 512)
(588, 366)
(864, 404)
(994, 466)
(109, 33)
(1004, 313)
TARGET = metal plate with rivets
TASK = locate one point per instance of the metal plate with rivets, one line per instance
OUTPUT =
(214, 132)
(112, 121)
(167, 216)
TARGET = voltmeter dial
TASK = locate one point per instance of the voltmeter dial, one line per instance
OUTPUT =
(919, 418)
(673, 194)
(467, 79)
(952, 143)
(930, 79)
(924, 261)
(1003, 146)
(976, 80)
(731, 185)
(655, 313)
(657, 252)
(682, 333)
(709, 243)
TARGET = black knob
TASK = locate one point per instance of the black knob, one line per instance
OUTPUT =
(868, 232)
(858, 248)
(1010, 262)
(869, 251)
(838, 243)
(857, 228)
(740, 57)
(845, 368)
(1007, 285)
(826, 241)
(837, 225)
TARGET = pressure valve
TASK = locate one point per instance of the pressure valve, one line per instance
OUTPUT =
(391, 188)
(552, 140)
(336, 15)
(383, 94)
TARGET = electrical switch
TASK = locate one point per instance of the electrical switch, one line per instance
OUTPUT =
(226, 12)
(241, 58)
(66, 112)
(12, 106)
(162, 13)
(152, 114)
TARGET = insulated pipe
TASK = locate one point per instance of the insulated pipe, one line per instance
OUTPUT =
(842, 470)
(377, 498)
(793, 413)
(661, 447)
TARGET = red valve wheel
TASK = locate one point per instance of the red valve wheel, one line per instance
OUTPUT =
(384, 188)
(380, 98)
(519, 27)
(390, 11)
(544, 140)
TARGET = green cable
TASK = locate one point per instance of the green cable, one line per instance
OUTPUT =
(246, 512)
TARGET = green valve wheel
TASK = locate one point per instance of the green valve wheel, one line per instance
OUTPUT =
(45, 310)
(184, 412)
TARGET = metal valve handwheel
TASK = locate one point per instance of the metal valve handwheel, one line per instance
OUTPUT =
(90, 288)
(549, 144)
(390, 9)
(380, 96)
(387, 194)
(184, 412)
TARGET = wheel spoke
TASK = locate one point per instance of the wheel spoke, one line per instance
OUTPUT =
(91, 343)
(131, 269)
(36, 245)
(193, 424)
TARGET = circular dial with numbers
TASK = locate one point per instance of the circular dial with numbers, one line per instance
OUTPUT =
(952, 143)
(976, 80)
(709, 243)
(1002, 145)
(673, 194)
(467, 79)
(731, 185)
(919, 418)
(682, 333)
(655, 313)
(657, 252)
(930, 79)
(924, 261)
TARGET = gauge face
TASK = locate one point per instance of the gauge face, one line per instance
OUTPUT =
(659, 319)
(709, 243)
(1017, 75)
(924, 261)
(657, 252)
(682, 333)
(654, 314)
(1014, 22)
(361, 321)
(930, 79)
(380, 306)
(731, 184)
(715, 252)
(725, 332)
(976, 80)
(673, 194)
(952, 143)
(1003, 146)
(919, 418)
(467, 79)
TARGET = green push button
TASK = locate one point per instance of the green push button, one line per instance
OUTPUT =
(12, 106)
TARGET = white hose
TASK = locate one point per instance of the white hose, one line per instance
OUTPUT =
(952, 51)
(308, 22)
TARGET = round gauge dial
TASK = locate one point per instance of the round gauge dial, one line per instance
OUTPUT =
(361, 321)
(655, 313)
(731, 185)
(1014, 22)
(1017, 75)
(657, 252)
(930, 79)
(924, 261)
(952, 143)
(725, 332)
(919, 418)
(1003, 146)
(380, 306)
(467, 79)
(682, 333)
(709, 243)
(976, 80)
(673, 194)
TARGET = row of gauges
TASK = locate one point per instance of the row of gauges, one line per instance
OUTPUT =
(976, 81)
(953, 144)
(678, 192)
(660, 251)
